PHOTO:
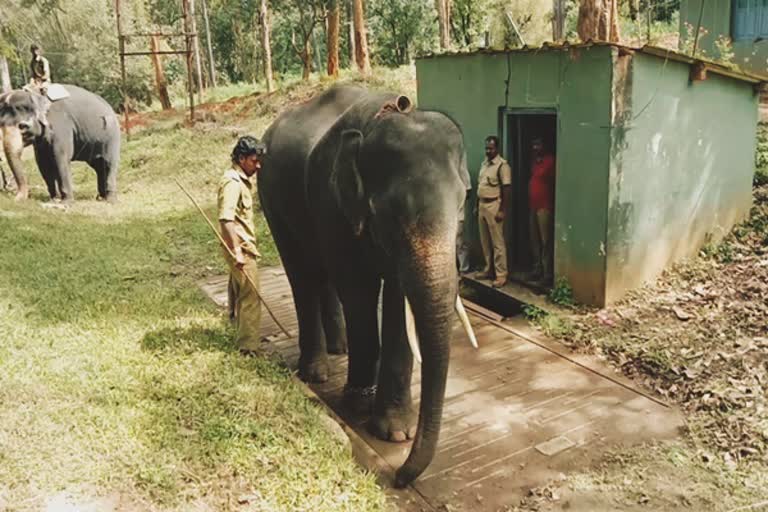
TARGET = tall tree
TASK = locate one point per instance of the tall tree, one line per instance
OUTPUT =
(266, 45)
(211, 64)
(350, 22)
(5, 76)
(598, 20)
(196, 49)
(160, 83)
(444, 22)
(334, 19)
(361, 38)
(558, 20)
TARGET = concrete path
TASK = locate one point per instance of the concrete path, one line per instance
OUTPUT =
(520, 411)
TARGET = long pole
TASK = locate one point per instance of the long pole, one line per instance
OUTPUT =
(121, 46)
(188, 47)
(231, 255)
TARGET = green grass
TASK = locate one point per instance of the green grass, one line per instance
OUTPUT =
(118, 378)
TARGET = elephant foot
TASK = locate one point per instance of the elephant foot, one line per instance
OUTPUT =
(314, 371)
(359, 400)
(337, 346)
(395, 425)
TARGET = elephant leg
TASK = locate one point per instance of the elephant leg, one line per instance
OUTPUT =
(360, 297)
(64, 176)
(306, 280)
(112, 164)
(99, 165)
(47, 165)
(333, 322)
(393, 416)
(13, 145)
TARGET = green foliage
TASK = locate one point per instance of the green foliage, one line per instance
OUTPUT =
(562, 293)
(401, 29)
(723, 251)
(761, 156)
(552, 325)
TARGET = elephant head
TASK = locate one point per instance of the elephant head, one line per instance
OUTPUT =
(402, 186)
(13, 141)
(25, 110)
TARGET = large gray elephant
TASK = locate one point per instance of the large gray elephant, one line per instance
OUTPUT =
(358, 189)
(82, 127)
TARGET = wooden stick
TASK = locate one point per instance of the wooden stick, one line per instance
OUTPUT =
(231, 255)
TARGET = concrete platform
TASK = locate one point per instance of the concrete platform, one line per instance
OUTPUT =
(520, 411)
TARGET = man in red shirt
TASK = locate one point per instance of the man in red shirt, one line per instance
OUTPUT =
(541, 202)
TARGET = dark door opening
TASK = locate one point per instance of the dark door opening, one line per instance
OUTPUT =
(519, 128)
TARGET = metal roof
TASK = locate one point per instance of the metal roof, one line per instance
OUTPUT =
(656, 51)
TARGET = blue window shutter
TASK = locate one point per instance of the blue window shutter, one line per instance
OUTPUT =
(748, 18)
(763, 28)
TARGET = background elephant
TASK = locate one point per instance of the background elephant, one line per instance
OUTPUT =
(358, 191)
(82, 127)
(12, 144)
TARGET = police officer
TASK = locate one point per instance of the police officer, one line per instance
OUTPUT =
(494, 182)
(235, 200)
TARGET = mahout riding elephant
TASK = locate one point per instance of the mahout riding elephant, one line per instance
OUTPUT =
(359, 190)
(81, 127)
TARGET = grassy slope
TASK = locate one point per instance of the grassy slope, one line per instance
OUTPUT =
(117, 376)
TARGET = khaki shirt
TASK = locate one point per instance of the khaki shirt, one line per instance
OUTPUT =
(41, 70)
(488, 186)
(236, 204)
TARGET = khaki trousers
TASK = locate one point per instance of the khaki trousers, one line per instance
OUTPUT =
(245, 304)
(492, 238)
(541, 241)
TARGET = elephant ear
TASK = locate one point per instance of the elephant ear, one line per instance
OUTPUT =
(346, 183)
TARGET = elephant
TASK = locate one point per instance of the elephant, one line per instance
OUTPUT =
(359, 189)
(81, 127)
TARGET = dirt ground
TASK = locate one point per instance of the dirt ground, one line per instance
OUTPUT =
(699, 338)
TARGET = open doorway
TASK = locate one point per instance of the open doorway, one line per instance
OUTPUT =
(528, 229)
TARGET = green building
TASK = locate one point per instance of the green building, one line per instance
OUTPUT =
(743, 22)
(654, 151)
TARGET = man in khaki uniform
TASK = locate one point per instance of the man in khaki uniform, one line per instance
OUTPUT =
(494, 182)
(40, 70)
(236, 191)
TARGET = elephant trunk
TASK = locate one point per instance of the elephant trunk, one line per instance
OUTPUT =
(13, 144)
(429, 280)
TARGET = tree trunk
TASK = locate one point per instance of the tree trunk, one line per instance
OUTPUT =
(352, 52)
(361, 39)
(266, 49)
(160, 83)
(558, 20)
(196, 51)
(211, 65)
(443, 20)
(599, 20)
(5, 76)
(589, 20)
(334, 18)
(634, 9)
(306, 57)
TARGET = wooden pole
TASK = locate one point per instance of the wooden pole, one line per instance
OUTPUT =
(188, 47)
(121, 47)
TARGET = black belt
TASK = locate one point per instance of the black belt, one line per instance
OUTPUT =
(488, 199)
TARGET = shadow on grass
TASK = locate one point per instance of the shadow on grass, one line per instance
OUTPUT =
(195, 338)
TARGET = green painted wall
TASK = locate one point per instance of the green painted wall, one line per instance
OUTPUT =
(716, 19)
(577, 83)
(682, 162)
